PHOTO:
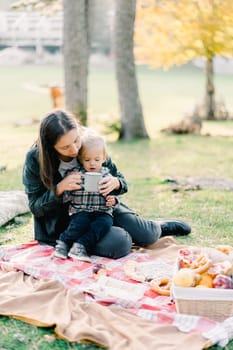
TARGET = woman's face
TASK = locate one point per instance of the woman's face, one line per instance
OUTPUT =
(68, 145)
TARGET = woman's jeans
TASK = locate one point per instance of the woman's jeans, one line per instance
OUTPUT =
(128, 227)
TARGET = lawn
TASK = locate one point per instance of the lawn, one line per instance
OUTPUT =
(146, 163)
(165, 96)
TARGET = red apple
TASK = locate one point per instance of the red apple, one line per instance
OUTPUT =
(222, 282)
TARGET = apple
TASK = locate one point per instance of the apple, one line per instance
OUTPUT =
(222, 282)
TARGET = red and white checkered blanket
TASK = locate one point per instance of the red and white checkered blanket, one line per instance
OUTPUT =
(38, 261)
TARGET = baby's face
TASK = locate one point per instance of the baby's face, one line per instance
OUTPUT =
(92, 159)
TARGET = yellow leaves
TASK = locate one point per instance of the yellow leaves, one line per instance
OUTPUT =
(171, 32)
(198, 44)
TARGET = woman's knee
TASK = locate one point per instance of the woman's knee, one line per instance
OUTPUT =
(116, 244)
(143, 232)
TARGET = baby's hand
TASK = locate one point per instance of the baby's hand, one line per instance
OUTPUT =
(110, 201)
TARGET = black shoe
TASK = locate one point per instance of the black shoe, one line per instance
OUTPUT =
(174, 228)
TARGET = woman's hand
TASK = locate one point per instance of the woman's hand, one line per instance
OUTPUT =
(108, 184)
(70, 183)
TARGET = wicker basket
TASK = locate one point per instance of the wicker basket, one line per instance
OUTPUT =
(216, 304)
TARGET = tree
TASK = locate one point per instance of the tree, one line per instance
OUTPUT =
(175, 32)
(78, 21)
(76, 45)
(132, 122)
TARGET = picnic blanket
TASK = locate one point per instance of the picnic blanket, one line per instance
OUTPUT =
(46, 291)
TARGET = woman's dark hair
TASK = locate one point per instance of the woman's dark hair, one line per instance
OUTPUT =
(52, 127)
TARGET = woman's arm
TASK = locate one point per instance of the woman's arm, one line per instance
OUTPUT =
(41, 200)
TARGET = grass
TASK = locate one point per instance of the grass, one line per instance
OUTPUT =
(146, 164)
(21, 336)
(165, 96)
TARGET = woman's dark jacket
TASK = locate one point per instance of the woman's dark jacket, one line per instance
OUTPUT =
(49, 212)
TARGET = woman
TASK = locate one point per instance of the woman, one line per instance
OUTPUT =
(56, 151)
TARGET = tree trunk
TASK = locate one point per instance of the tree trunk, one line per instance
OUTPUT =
(132, 122)
(76, 46)
(209, 99)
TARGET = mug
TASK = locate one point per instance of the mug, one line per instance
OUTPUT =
(91, 181)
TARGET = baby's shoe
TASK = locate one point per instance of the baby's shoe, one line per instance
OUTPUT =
(61, 250)
(78, 252)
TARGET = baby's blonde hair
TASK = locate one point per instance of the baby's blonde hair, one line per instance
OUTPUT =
(91, 139)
